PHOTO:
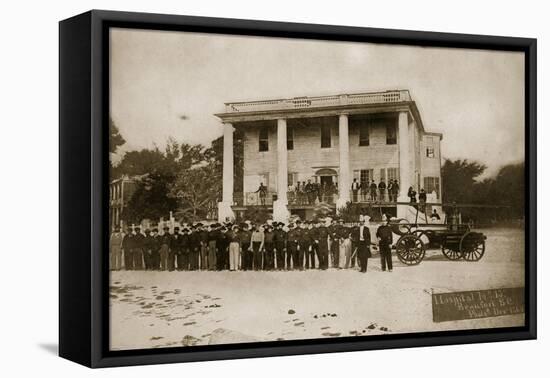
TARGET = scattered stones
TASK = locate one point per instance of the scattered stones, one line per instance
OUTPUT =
(291, 311)
(156, 338)
(189, 323)
(331, 334)
(372, 326)
(298, 324)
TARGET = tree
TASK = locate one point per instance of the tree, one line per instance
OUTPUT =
(151, 199)
(115, 139)
(195, 189)
(459, 180)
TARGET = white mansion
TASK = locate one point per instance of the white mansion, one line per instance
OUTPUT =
(340, 142)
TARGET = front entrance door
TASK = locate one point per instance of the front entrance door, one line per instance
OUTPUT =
(326, 180)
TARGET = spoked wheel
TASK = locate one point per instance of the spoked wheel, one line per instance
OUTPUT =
(472, 246)
(410, 249)
(451, 251)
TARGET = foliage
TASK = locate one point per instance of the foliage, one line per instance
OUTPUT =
(257, 214)
(195, 190)
(115, 139)
(150, 199)
(504, 193)
(350, 212)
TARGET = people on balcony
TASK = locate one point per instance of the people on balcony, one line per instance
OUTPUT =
(382, 190)
(411, 194)
(262, 191)
(355, 187)
(373, 188)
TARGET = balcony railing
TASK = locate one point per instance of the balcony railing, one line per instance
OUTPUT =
(319, 102)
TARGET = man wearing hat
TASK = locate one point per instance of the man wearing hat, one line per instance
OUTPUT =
(269, 260)
(222, 245)
(362, 236)
(194, 248)
(182, 259)
(139, 246)
(293, 248)
(175, 249)
(279, 242)
(322, 246)
(164, 242)
(313, 234)
(234, 239)
(247, 256)
(213, 234)
(127, 247)
(203, 245)
(115, 248)
(334, 243)
(147, 248)
(154, 246)
(385, 240)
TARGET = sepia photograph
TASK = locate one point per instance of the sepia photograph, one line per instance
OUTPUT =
(268, 189)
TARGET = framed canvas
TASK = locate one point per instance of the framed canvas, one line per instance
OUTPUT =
(235, 188)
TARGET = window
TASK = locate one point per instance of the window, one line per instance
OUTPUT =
(431, 184)
(363, 135)
(290, 138)
(325, 137)
(430, 152)
(264, 140)
(382, 174)
(392, 174)
(364, 176)
(292, 179)
(391, 134)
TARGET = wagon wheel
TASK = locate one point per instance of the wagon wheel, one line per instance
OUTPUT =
(410, 250)
(450, 252)
(472, 246)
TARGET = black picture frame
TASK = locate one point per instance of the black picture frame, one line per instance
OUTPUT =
(83, 166)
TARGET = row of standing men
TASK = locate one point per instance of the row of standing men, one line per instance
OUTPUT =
(276, 246)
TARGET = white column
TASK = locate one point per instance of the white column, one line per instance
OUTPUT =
(404, 157)
(282, 161)
(224, 208)
(344, 179)
(280, 210)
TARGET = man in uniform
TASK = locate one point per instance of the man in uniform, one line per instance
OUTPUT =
(175, 249)
(292, 248)
(303, 240)
(279, 241)
(164, 242)
(182, 259)
(127, 248)
(221, 246)
(154, 245)
(334, 243)
(147, 250)
(362, 236)
(213, 235)
(139, 246)
(194, 248)
(313, 234)
(322, 246)
(115, 248)
(385, 239)
(203, 248)
(246, 256)
(269, 248)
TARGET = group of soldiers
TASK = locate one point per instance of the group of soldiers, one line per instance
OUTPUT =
(245, 246)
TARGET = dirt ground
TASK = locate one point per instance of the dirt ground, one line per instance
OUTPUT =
(164, 309)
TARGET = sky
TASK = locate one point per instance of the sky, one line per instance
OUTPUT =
(170, 84)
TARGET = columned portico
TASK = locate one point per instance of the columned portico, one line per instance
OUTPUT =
(224, 208)
(280, 210)
(344, 178)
